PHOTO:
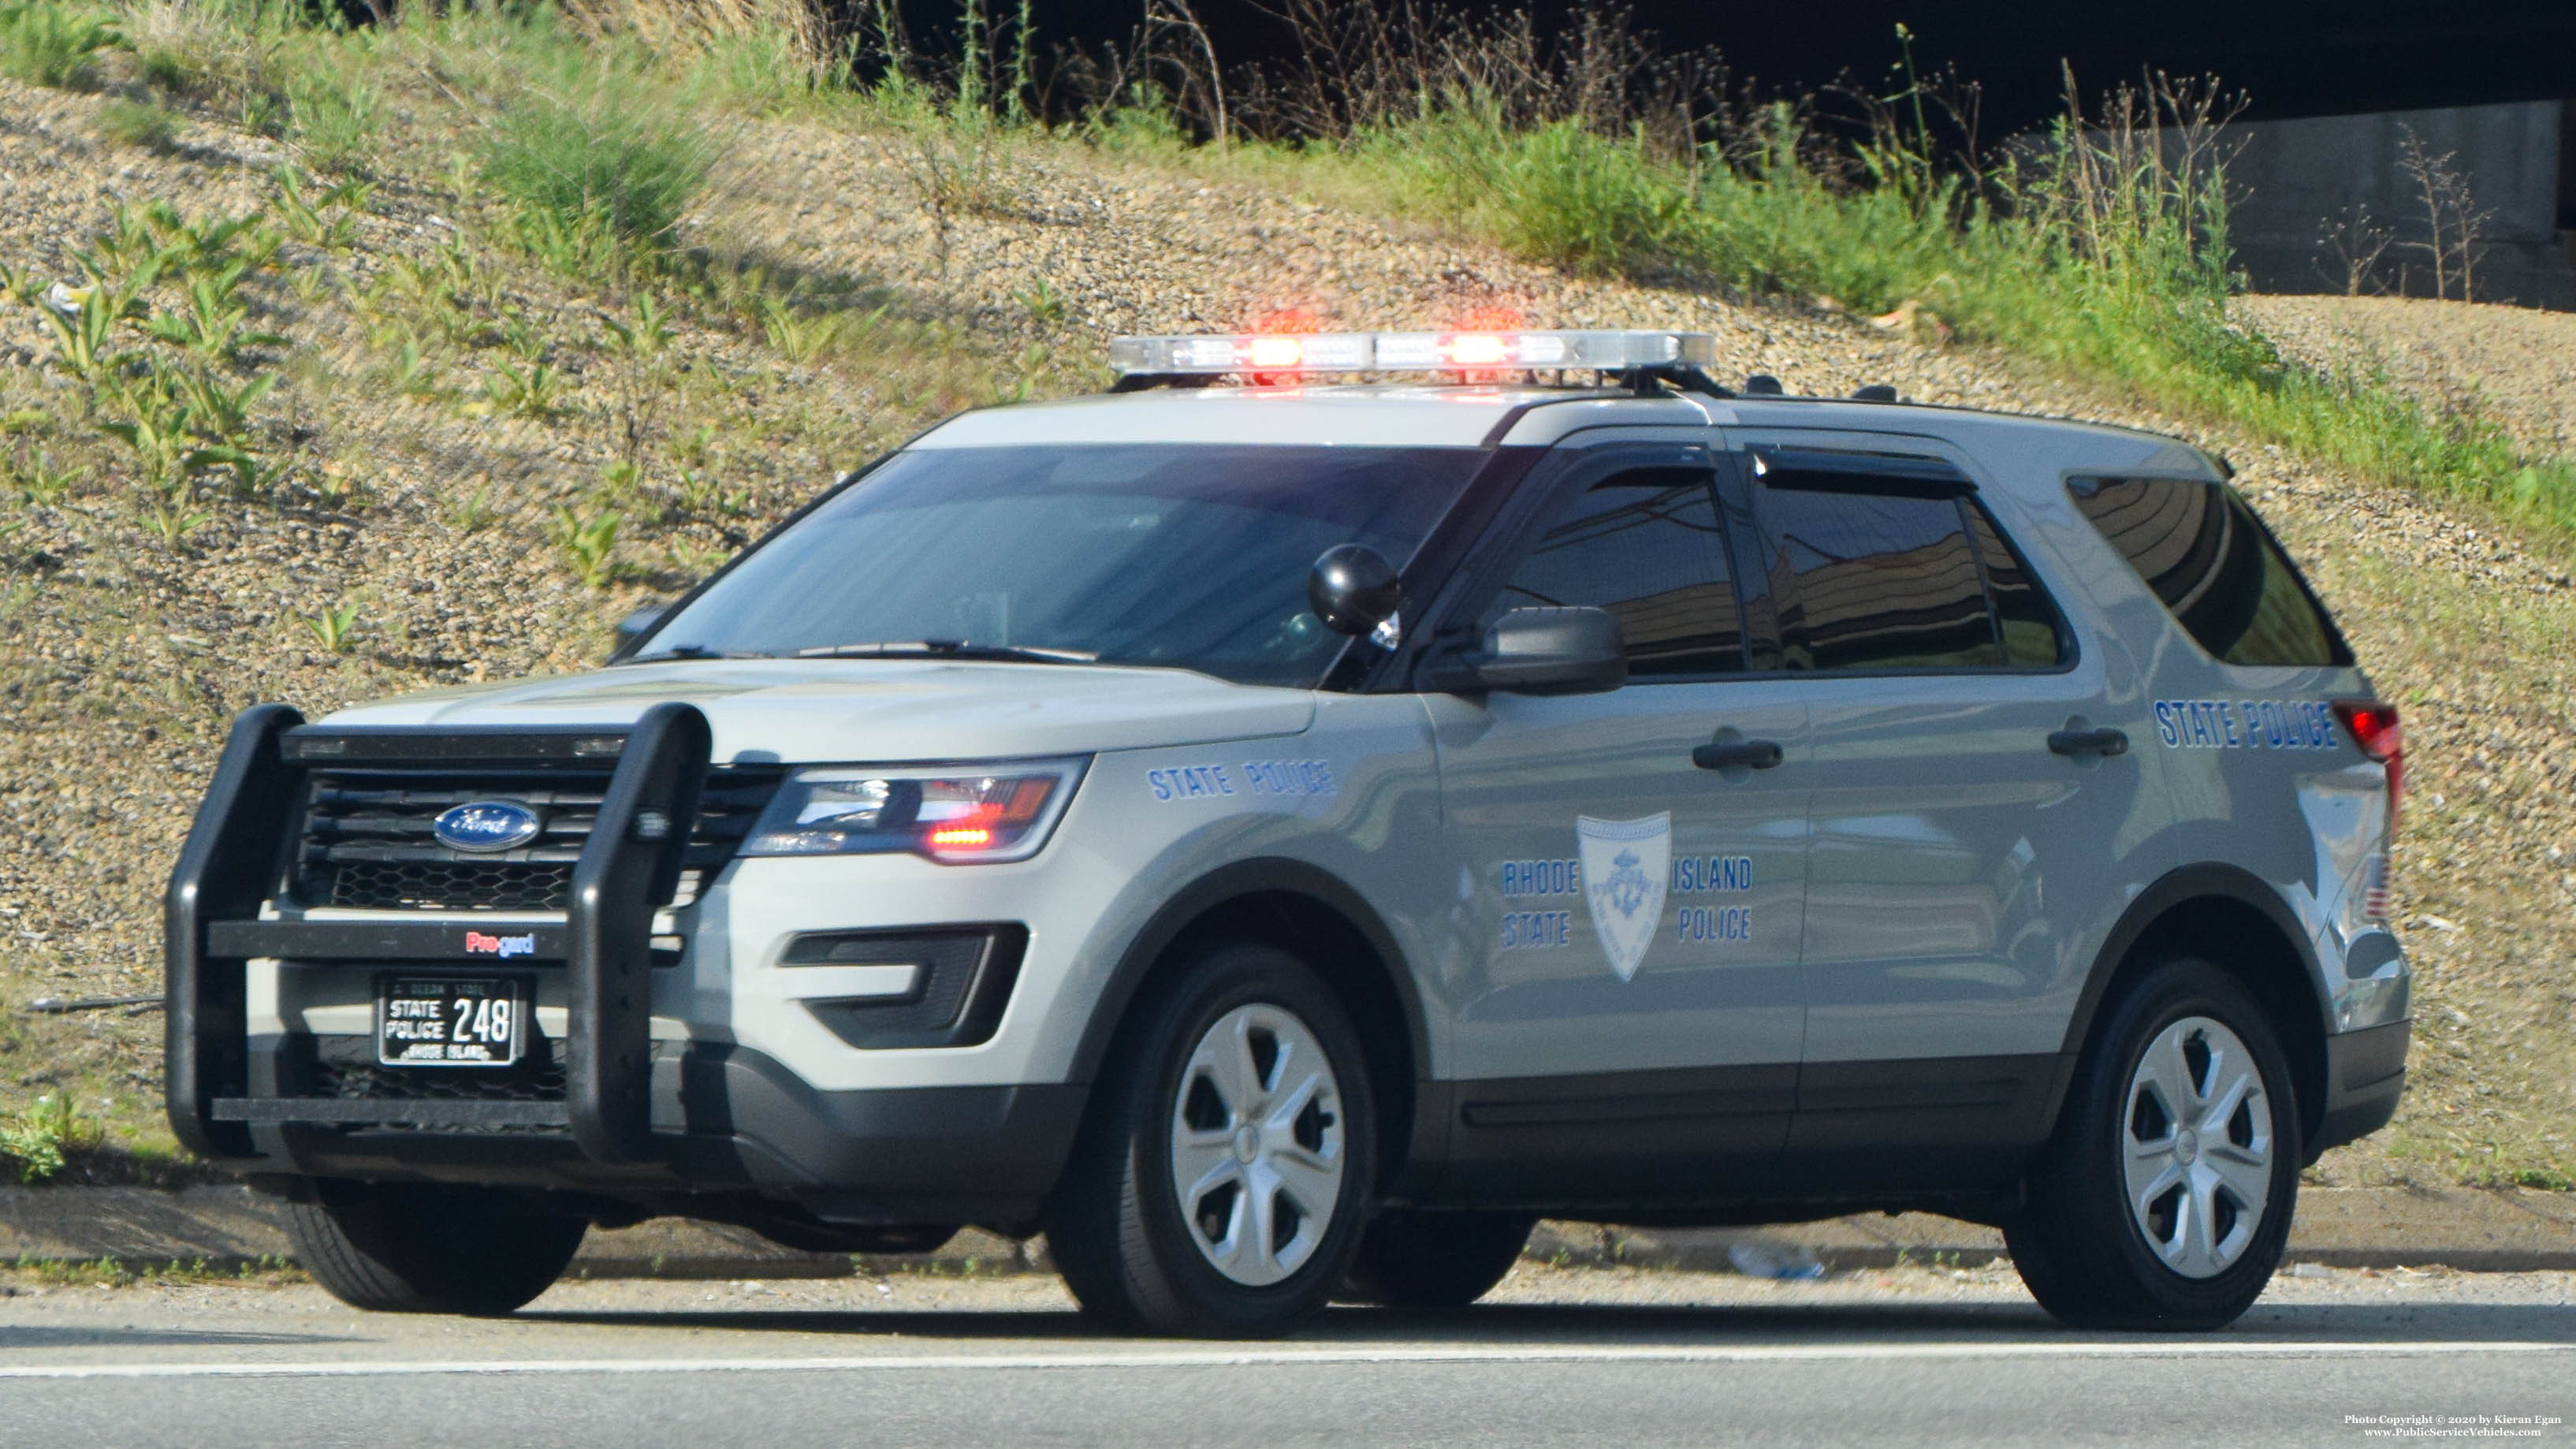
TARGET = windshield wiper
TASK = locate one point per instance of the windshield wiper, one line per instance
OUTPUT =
(950, 649)
(695, 651)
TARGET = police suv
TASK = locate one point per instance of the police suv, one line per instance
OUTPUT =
(1279, 837)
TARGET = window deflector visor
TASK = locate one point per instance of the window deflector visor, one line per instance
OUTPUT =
(1821, 469)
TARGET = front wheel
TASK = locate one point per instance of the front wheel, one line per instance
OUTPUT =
(422, 1248)
(1229, 1157)
(2164, 1200)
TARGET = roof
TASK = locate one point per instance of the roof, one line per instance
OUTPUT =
(1351, 416)
(1433, 416)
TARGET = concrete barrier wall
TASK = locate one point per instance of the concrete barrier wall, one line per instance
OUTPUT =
(2294, 181)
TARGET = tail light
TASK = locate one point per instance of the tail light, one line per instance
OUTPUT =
(2373, 726)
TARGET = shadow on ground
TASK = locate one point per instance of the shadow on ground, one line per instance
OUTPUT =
(92, 1336)
(1506, 1324)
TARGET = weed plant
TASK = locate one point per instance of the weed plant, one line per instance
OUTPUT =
(597, 175)
(140, 124)
(50, 43)
(335, 122)
(40, 1136)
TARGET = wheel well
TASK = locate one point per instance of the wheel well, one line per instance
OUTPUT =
(1359, 973)
(2249, 945)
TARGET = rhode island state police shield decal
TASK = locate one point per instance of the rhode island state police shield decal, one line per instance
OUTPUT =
(1626, 865)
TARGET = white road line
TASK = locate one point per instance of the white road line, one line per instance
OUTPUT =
(1289, 1355)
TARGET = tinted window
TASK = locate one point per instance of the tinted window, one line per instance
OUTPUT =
(1870, 580)
(1646, 546)
(1188, 555)
(2203, 552)
(2022, 612)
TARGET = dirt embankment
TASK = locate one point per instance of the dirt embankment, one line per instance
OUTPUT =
(434, 510)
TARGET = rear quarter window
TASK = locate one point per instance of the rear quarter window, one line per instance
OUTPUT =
(2201, 549)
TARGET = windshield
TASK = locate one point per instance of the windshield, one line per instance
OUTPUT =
(1192, 556)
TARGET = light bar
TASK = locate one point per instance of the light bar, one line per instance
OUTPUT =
(1260, 353)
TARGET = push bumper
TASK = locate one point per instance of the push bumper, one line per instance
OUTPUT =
(661, 1123)
(629, 866)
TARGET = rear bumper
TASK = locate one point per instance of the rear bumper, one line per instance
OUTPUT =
(2365, 1077)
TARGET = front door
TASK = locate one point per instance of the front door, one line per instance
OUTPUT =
(1631, 870)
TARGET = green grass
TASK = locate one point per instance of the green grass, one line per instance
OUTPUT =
(268, 1270)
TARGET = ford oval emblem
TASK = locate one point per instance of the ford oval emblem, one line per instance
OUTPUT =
(487, 825)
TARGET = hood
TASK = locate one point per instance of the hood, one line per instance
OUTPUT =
(803, 711)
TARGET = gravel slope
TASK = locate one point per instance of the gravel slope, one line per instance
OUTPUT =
(2513, 364)
(120, 657)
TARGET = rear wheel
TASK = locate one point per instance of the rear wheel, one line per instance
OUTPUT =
(1228, 1162)
(426, 1248)
(1436, 1259)
(2165, 1199)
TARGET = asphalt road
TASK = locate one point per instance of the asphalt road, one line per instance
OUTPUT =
(1913, 1356)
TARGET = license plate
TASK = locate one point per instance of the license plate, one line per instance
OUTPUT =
(451, 1021)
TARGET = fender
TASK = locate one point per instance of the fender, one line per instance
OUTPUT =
(1230, 882)
(2186, 883)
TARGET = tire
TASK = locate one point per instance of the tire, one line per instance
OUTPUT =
(1205, 1101)
(431, 1248)
(1436, 1259)
(2183, 1045)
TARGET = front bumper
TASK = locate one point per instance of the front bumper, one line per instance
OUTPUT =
(2365, 1077)
(728, 1122)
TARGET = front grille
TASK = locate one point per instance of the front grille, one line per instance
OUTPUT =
(366, 841)
(446, 884)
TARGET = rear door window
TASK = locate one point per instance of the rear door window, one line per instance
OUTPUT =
(1646, 545)
(2201, 549)
(1872, 571)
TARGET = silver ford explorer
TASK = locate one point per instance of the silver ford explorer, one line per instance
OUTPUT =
(1280, 837)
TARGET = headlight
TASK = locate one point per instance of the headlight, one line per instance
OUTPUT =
(944, 812)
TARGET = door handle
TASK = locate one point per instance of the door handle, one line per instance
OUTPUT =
(1737, 755)
(2104, 742)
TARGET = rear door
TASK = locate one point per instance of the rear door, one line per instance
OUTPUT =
(1625, 1002)
(1977, 810)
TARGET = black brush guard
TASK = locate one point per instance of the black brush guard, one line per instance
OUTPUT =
(234, 859)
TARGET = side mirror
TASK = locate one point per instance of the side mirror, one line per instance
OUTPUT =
(1352, 588)
(636, 625)
(1542, 651)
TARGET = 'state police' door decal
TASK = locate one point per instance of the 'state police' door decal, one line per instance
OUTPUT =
(1626, 866)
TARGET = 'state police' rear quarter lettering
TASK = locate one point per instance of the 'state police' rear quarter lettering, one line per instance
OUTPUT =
(2253, 724)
